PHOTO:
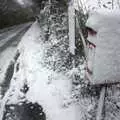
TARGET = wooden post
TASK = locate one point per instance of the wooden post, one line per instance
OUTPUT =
(49, 1)
(71, 13)
(101, 104)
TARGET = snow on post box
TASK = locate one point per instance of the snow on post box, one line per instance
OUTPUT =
(103, 57)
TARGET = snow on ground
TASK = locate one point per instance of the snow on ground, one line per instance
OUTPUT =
(6, 56)
(4, 33)
(52, 90)
(9, 51)
(3, 41)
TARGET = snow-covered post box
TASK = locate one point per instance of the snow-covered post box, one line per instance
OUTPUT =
(103, 57)
(103, 62)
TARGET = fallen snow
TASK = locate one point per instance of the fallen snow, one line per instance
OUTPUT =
(52, 90)
(3, 41)
(6, 57)
(8, 54)
(94, 5)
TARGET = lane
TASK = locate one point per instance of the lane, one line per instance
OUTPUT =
(14, 38)
(25, 110)
(4, 33)
(8, 46)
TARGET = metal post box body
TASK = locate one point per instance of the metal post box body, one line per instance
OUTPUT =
(103, 61)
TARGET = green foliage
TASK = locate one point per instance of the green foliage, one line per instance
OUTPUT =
(16, 17)
(54, 23)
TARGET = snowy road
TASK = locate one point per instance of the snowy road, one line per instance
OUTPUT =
(9, 39)
(11, 36)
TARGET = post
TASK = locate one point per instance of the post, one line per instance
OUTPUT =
(71, 14)
(49, 1)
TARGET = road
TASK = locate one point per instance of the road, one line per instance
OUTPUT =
(9, 40)
(12, 36)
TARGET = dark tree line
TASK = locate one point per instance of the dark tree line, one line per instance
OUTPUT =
(11, 13)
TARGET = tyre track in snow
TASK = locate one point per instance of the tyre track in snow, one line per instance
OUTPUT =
(26, 110)
(7, 51)
(14, 37)
(4, 33)
(8, 43)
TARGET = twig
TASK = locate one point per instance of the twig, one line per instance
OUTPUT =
(83, 39)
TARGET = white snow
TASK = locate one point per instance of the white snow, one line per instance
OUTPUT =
(20, 2)
(24, 2)
(52, 90)
(3, 41)
(8, 54)
(6, 57)
(94, 5)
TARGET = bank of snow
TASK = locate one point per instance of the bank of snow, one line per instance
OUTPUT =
(52, 90)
